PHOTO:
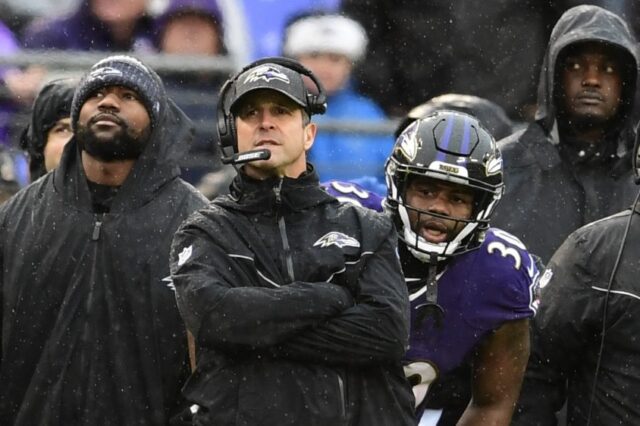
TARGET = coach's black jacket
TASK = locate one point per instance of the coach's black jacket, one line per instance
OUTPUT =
(299, 308)
(567, 332)
(91, 333)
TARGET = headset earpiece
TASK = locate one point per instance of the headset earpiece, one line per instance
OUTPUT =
(226, 133)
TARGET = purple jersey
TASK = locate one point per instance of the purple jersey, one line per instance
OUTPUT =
(350, 192)
(478, 291)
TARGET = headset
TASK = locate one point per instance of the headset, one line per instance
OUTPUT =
(316, 104)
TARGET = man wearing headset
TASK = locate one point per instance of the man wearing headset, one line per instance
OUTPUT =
(297, 301)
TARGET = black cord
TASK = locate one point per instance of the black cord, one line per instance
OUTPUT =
(606, 304)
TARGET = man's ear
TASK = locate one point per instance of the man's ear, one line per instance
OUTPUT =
(310, 131)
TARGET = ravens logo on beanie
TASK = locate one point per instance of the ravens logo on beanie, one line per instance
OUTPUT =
(126, 71)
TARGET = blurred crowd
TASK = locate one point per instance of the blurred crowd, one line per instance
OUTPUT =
(376, 58)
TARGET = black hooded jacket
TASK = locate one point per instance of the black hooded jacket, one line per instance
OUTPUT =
(568, 328)
(299, 308)
(552, 188)
(91, 334)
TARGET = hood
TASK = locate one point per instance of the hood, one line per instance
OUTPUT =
(52, 104)
(581, 24)
(157, 165)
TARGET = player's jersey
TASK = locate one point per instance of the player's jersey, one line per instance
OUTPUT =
(351, 192)
(478, 291)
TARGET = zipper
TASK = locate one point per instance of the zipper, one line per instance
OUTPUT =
(343, 404)
(95, 236)
(288, 260)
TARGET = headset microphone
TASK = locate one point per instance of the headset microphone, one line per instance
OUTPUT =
(247, 156)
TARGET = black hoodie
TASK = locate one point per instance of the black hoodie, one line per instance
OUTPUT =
(551, 188)
(91, 333)
(53, 103)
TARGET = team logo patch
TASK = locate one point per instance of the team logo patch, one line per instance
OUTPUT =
(169, 281)
(104, 72)
(184, 255)
(266, 73)
(545, 278)
(409, 143)
(338, 239)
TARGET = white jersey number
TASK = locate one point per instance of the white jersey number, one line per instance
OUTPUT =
(497, 246)
(420, 374)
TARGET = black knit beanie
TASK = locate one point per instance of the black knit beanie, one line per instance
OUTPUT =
(126, 71)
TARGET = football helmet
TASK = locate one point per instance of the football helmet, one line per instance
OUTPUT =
(454, 147)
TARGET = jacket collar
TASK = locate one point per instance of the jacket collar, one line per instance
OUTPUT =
(253, 195)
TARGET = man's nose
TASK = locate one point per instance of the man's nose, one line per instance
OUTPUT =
(591, 76)
(109, 100)
(266, 119)
(440, 204)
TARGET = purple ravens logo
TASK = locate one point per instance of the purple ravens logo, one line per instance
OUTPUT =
(338, 239)
(266, 73)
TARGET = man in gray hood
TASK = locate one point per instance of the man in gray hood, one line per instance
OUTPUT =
(572, 165)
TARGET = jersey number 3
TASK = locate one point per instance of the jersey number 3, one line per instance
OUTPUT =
(506, 250)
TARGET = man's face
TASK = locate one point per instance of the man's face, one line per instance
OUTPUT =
(57, 138)
(266, 119)
(113, 124)
(592, 83)
(333, 70)
(440, 197)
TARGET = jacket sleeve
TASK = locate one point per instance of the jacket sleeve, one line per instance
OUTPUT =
(222, 306)
(568, 318)
(374, 330)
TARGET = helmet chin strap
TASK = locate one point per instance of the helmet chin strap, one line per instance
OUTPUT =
(423, 249)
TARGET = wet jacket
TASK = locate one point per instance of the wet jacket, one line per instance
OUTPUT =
(552, 188)
(298, 306)
(568, 326)
(91, 333)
